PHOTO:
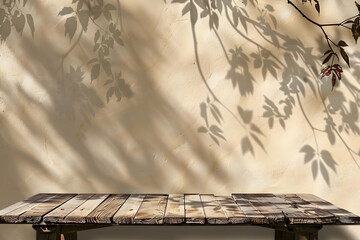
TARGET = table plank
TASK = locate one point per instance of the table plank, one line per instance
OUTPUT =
(127, 212)
(262, 202)
(58, 215)
(232, 211)
(79, 214)
(213, 212)
(13, 215)
(106, 210)
(319, 215)
(194, 211)
(22, 203)
(175, 209)
(152, 209)
(293, 214)
(254, 215)
(341, 214)
(35, 214)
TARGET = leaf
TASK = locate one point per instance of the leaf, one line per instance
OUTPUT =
(118, 40)
(245, 115)
(65, 11)
(107, 68)
(109, 93)
(96, 36)
(314, 169)
(193, 13)
(217, 131)
(282, 123)
(327, 52)
(24, 2)
(257, 140)
(84, 19)
(186, 9)
(30, 22)
(324, 173)
(202, 130)
(317, 6)
(333, 80)
(256, 129)
(358, 6)
(246, 146)
(109, 7)
(5, 29)
(345, 56)
(118, 94)
(342, 44)
(328, 159)
(70, 26)
(107, 15)
(203, 113)
(269, 8)
(271, 122)
(19, 22)
(214, 139)
(327, 58)
(95, 70)
(2, 15)
(309, 153)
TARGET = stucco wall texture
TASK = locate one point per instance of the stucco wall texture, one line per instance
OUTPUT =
(253, 83)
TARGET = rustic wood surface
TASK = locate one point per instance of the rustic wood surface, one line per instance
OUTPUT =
(274, 210)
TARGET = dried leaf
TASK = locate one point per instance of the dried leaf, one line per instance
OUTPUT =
(345, 56)
(342, 43)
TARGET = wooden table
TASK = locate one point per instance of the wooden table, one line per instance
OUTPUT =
(61, 216)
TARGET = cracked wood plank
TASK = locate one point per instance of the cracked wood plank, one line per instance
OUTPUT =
(80, 213)
(106, 210)
(232, 211)
(152, 209)
(341, 214)
(175, 209)
(58, 215)
(127, 212)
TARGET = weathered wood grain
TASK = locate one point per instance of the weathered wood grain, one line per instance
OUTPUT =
(232, 211)
(254, 215)
(22, 203)
(127, 212)
(175, 209)
(58, 214)
(106, 210)
(315, 215)
(293, 213)
(79, 214)
(342, 215)
(152, 209)
(213, 211)
(34, 215)
(194, 211)
(13, 215)
(263, 203)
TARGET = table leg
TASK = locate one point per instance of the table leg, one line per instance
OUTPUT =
(53, 233)
(297, 233)
(48, 233)
(69, 236)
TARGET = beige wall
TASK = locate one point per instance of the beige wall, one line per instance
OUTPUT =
(51, 142)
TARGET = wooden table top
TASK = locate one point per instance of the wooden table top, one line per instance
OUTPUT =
(259, 209)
